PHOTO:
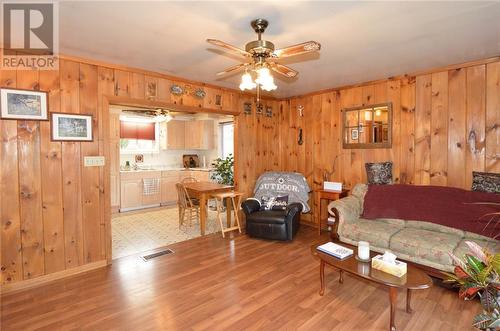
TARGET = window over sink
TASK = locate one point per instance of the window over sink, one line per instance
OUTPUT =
(139, 137)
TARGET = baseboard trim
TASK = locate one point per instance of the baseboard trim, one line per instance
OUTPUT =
(42, 280)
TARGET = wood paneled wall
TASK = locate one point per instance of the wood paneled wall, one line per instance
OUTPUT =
(445, 125)
(53, 208)
(53, 215)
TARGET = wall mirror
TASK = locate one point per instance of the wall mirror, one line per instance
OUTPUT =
(367, 126)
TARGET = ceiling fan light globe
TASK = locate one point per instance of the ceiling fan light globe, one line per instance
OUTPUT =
(269, 87)
(247, 82)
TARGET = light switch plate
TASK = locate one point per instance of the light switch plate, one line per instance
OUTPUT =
(93, 161)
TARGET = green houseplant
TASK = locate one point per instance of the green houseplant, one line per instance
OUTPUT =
(477, 274)
(223, 172)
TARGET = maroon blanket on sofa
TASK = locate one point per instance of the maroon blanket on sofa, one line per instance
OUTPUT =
(446, 206)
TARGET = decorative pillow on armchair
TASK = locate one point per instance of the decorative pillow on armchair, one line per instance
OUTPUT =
(274, 203)
(485, 182)
(379, 173)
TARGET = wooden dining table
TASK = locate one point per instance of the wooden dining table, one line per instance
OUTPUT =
(203, 191)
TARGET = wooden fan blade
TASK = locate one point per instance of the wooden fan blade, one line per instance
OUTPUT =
(233, 68)
(232, 48)
(284, 70)
(309, 46)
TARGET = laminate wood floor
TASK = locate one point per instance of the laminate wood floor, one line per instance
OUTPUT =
(235, 283)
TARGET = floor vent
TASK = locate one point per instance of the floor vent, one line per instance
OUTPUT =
(157, 254)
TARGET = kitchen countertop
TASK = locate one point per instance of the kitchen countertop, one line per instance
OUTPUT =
(168, 169)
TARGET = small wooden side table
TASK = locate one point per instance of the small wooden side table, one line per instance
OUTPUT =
(321, 194)
(231, 197)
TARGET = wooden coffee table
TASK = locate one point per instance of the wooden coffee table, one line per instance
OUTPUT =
(415, 279)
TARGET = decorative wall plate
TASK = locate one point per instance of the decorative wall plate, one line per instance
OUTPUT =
(259, 108)
(218, 100)
(199, 93)
(269, 111)
(247, 108)
(176, 89)
(151, 90)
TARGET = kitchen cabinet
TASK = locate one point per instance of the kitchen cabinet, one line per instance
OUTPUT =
(131, 194)
(172, 135)
(202, 176)
(199, 134)
(132, 190)
(131, 184)
(168, 189)
(195, 134)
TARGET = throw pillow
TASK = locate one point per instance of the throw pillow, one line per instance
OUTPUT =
(379, 173)
(485, 182)
(274, 203)
(280, 203)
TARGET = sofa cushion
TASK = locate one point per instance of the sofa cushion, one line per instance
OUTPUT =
(434, 227)
(462, 249)
(425, 244)
(268, 216)
(376, 233)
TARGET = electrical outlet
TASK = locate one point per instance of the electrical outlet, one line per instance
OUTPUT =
(93, 161)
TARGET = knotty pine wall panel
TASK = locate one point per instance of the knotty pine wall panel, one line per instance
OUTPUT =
(52, 186)
(445, 125)
(53, 210)
(492, 117)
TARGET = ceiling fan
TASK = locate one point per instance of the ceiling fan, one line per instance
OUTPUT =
(261, 58)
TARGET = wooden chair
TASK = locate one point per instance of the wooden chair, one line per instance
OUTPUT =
(185, 203)
(189, 180)
(234, 198)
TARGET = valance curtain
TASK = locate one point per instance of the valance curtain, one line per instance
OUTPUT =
(137, 130)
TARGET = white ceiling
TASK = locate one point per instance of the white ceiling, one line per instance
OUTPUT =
(361, 41)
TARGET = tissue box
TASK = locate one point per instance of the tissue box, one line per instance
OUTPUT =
(332, 186)
(397, 269)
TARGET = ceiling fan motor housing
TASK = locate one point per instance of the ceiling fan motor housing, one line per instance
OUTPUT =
(260, 47)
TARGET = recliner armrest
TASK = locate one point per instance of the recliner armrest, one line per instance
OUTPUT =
(250, 206)
(293, 209)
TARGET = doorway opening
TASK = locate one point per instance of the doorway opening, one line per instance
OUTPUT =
(149, 154)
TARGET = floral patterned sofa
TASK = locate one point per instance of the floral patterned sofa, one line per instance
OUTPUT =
(420, 242)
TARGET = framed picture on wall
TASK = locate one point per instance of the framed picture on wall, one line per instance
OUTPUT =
(18, 104)
(354, 134)
(71, 127)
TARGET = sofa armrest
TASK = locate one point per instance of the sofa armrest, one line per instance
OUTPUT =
(250, 206)
(346, 209)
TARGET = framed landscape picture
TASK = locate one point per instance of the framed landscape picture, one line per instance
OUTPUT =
(23, 104)
(71, 127)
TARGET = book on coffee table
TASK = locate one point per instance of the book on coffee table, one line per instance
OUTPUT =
(335, 250)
